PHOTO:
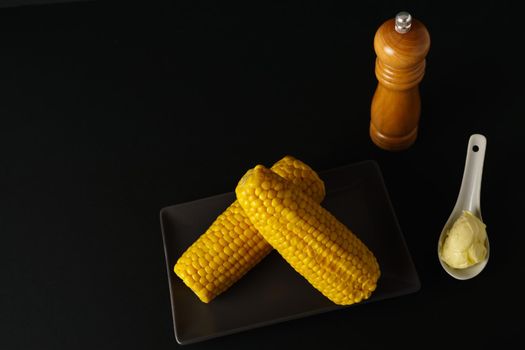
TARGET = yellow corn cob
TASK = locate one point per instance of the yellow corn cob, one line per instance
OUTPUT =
(315, 243)
(232, 245)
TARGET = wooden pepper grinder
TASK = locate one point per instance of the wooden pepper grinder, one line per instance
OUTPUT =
(401, 45)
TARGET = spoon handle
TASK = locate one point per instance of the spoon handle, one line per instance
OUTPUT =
(469, 194)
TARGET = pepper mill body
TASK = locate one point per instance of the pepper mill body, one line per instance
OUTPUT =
(401, 45)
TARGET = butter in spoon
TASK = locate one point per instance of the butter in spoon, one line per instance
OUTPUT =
(463, 246)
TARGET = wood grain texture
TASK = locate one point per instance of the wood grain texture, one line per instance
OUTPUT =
(400, 67)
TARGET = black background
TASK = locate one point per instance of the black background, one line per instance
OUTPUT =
(109, 113)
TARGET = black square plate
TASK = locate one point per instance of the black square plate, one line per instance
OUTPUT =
(272, 291)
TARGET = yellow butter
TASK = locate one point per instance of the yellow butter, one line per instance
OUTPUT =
(465, 244)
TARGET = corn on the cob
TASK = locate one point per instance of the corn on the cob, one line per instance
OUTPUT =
(232, 245)
(315, 243)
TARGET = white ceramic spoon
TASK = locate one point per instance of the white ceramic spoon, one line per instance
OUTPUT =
(468, 199)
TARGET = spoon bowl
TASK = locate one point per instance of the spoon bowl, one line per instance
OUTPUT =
(468, 199)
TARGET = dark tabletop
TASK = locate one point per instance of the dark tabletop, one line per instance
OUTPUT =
(109, 114)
